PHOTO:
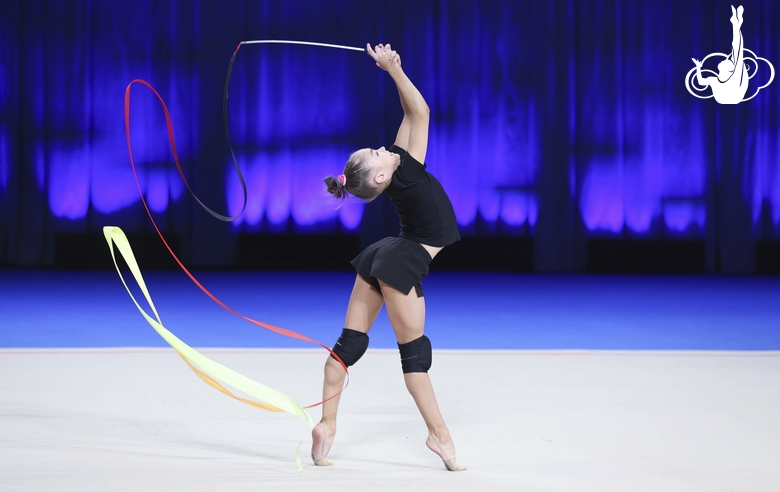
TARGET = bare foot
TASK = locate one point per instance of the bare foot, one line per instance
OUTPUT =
(321, 441)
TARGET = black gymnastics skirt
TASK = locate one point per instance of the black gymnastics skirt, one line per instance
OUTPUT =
(399, 262)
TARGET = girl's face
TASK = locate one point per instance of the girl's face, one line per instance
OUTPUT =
(381, 158)
(383, 163)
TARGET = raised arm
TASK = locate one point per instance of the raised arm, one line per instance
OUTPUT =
(413, 133)
(701, 80)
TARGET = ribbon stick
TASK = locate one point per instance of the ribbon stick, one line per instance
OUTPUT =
(307, 43)
(206, 368)
(225, 114)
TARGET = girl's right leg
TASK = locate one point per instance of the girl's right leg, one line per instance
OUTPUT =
(407, 316)
(364, 306)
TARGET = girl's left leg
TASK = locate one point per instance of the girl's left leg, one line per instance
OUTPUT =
(407, 316)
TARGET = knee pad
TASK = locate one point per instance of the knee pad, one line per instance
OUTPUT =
(416, 355)
(351, 346)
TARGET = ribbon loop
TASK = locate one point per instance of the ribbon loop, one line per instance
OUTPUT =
(205, 368)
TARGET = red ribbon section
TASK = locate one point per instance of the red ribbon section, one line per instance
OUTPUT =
(275, 329)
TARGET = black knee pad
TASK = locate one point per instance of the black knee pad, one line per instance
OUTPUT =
(416, 355)
(351, 346)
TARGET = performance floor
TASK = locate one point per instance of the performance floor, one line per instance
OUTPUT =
(548, 382)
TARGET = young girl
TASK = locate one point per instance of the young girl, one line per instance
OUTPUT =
(390, 271)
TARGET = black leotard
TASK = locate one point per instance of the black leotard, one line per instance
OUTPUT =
(425, 209)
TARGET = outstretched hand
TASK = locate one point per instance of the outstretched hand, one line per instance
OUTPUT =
(697, 62)
(385, 57)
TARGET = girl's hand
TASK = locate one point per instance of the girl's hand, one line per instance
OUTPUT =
(384, 56)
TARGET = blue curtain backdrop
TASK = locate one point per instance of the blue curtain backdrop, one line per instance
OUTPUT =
(562, 120)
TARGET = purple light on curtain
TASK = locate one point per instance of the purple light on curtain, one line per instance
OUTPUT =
(533, 211)
(643, 144)
(629, 190)
(278, 191)
(452, 153)
(268, 181)
(112, 186)
(684, 167)
(68, 182)
(685, 176)
(681, 217)
(510, 158)
(776, 206)
(255, 179)
(284, 123)
(488, 202)
(484, 144)
(350, 214)
(643, 170)
(289, 183)
(5, 159)
(763, 181)
(310, 201)
(601, 199)
(643, 179)
(306, 186)
(517, 209)
(472, 162)
(289, 134)
(109, 174)
(175, 185)
(754, 183)
(157, 190)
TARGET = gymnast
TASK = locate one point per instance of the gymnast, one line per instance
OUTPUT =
(731, 84)
(390, 271)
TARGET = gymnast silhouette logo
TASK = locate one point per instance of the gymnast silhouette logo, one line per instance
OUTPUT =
(735, 71)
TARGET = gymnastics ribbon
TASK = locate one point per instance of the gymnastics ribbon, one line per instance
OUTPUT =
(275, 329)
(205, 368)
(208, 370)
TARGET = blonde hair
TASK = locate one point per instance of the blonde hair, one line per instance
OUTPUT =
(359, 180)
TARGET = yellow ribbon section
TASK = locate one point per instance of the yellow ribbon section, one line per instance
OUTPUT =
(205, 368)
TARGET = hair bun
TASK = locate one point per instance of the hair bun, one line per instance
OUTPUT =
(335, 188)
